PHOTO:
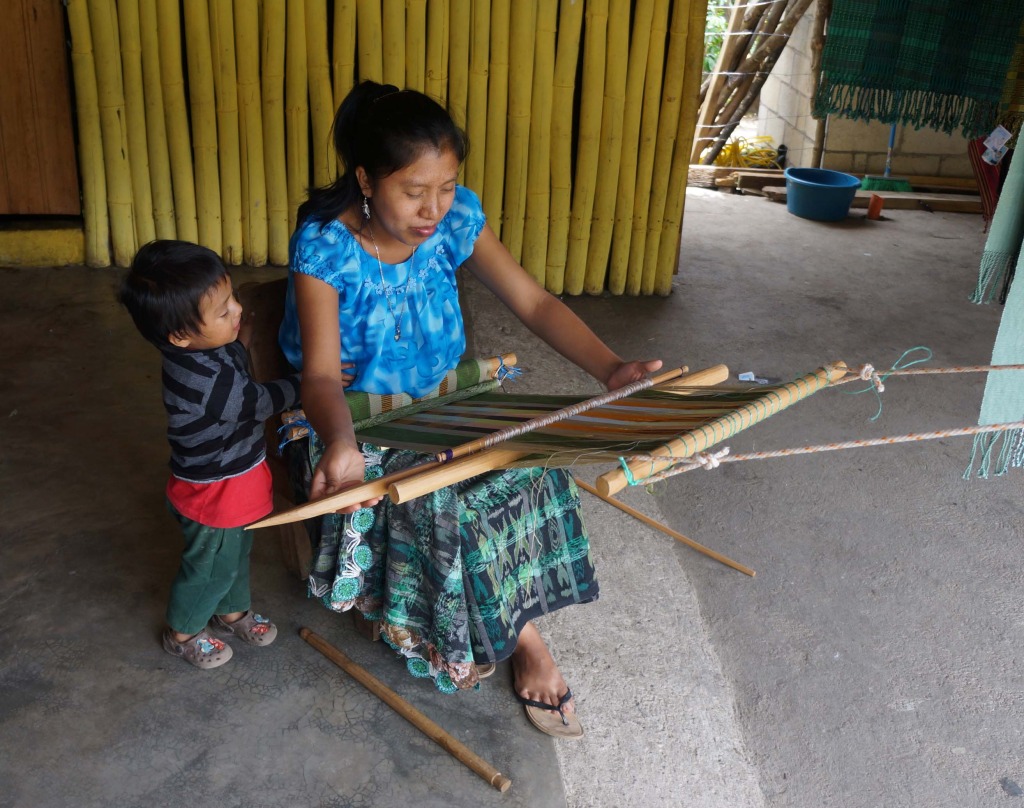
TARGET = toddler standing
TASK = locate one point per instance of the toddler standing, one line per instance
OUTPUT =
(181, 299)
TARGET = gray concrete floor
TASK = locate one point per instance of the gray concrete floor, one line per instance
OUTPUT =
(871, 661)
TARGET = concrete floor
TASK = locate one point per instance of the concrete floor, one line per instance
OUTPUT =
(870, 662)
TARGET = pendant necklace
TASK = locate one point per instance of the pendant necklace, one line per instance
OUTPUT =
(387, 298)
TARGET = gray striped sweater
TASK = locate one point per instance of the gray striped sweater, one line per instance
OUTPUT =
(216, 410)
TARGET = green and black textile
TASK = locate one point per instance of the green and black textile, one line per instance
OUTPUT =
(923, 63)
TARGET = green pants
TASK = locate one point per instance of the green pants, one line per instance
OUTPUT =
(213, 577)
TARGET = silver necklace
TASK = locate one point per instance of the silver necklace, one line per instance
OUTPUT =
(384, 285)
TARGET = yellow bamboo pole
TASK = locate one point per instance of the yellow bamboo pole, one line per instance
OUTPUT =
(368, 34)
(668, 124)
(639, 50)
(321, 101)
(103, 22)
(497, 108)
(156, 128)
(272, 59)
(672, 224)
(296, 108)
(458, 60)
(648, 144)
(250, 141)
(393, 41)
(610, 152)
(90, 139)
(587, 144)
(570, 25)
(416, 45)
(135, 118)
(522, 30)
(179, 146)
(225, 83)
(204, 123)
(538, 182)
(438, 36)
(476, 102)
(343, 49)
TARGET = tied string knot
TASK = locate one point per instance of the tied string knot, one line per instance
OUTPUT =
(868, 373)
(507, 371)
(702, 460)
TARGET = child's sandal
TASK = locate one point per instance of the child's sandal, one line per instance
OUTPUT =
(202, 650)
(250, 628)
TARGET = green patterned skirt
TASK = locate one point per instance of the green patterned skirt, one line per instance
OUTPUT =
(453, 576)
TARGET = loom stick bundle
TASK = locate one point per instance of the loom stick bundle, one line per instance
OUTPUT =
(595, 430)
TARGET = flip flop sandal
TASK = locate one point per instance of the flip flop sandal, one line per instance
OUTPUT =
(203, 651)
(553, 721)
(250, 628)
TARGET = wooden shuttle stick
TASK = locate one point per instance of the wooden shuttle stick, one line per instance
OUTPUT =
(452, 746)
(700, 548)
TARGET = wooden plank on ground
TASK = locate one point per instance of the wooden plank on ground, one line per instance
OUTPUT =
(894, 200)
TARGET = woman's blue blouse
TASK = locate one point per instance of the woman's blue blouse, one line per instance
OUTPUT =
(422, 293)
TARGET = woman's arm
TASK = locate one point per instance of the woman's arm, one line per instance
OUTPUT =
(549, 318)
(323, 390)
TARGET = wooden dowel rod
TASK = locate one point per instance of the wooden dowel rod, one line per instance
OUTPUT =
(435, 476)
(372, 489)
(452, 746)
(700, 548)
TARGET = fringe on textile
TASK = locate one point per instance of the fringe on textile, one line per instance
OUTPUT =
(916, 108)
(992, 274)
(996, 453)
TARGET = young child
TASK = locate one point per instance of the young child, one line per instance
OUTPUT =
(181, 299)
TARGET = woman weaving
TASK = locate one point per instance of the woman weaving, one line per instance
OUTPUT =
(455, 577)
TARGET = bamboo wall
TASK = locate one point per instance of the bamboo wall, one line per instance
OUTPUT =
(209, 119)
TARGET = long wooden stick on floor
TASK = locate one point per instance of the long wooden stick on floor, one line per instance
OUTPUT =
(453, 747)
(700, 548)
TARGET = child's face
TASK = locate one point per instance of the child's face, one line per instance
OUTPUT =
(222, 316)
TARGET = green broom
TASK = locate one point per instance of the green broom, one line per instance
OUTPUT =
(886, 182)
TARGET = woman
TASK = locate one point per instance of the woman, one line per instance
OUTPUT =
(455, 577)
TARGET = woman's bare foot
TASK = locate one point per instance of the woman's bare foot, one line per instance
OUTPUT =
(535, 674)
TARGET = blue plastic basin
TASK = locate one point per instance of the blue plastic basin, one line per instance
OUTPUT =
(820, 194)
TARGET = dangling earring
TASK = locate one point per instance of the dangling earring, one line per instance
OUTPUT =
(366, 208)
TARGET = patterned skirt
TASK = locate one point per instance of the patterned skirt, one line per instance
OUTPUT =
(453, 576)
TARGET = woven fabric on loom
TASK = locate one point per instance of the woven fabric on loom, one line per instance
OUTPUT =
(935, 63)
(366, 408)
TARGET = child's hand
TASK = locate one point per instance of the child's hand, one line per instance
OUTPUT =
(346, 378)
(629, 372)
(341, 467)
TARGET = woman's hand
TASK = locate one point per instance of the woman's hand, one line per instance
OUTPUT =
(629, 372)
(341, 467)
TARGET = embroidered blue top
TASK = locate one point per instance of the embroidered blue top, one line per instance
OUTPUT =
(421, 291)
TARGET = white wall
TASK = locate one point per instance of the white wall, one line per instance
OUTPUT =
(854, 146)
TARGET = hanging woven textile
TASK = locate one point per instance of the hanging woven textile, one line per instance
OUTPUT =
(923, 63)
(1011, 106)
(1003, 245)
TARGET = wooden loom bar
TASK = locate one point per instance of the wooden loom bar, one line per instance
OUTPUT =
(689, 444)
(451, 745)
(700, 548)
